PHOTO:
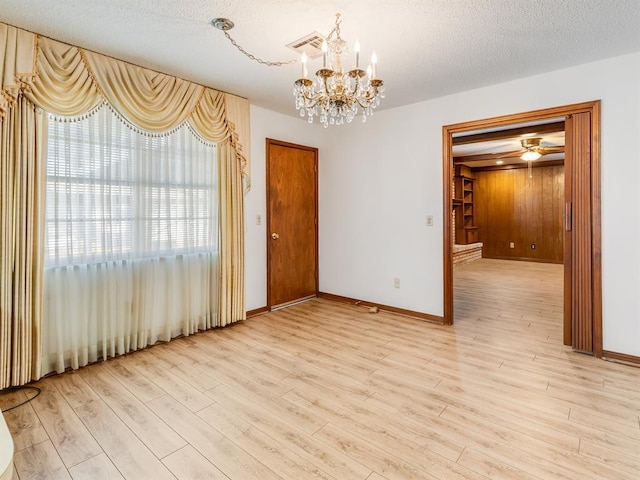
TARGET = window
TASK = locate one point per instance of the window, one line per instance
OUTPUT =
(115, 193)
(131, 240)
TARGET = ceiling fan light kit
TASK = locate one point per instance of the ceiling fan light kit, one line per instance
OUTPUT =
(530, 155)
(531, 146)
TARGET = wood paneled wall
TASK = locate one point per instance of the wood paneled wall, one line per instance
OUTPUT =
(511, 207)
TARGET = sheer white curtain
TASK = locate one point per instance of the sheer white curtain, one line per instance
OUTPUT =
(131, 239)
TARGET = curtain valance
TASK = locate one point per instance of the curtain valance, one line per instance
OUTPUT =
(68, 80)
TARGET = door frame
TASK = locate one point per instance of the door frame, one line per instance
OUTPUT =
(272, 142)
(448, 131)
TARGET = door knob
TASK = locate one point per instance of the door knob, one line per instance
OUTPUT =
(275, 236)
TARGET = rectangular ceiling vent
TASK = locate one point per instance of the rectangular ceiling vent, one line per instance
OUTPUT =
(310, 44)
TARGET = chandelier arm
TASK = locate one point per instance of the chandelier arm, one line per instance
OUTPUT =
(310, 105)
(310, 102)
(365, 105)
(310, 99)
(326, 87)
(372, 94)
(356, 87)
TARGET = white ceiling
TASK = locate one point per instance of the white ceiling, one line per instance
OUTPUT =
(426, 48)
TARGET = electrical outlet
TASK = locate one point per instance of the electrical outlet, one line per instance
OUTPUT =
(533, 246)
(429, 220)
(512, 245)
(396, 282)
(258, 219)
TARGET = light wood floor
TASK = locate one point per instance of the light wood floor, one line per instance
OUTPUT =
(323, 390)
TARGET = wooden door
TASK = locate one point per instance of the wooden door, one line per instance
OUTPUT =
(292, 222)
(578, 263)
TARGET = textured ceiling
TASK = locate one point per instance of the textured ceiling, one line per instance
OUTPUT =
(426, 48)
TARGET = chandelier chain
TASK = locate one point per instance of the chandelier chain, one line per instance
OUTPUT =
(253, 57)
(336, 28)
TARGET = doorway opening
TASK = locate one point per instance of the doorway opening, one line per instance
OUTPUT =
(582, 307)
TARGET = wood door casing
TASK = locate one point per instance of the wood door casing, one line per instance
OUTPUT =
(589, 271)
(292, 212)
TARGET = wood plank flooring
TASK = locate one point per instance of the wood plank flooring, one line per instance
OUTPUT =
(324, 390)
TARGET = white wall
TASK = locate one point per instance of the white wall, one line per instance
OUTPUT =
(266, 124)
(378, 180)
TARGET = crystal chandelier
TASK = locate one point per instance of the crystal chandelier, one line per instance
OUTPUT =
(337, 95)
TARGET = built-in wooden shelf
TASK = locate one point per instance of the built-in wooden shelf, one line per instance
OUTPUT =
(466, 229)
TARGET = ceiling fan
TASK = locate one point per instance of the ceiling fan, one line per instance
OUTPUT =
(533, 151)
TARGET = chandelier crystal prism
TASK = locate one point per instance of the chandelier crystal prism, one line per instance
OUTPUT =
(336, 95)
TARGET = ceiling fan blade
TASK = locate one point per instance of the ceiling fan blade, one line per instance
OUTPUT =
(514, 154)
(549, 150)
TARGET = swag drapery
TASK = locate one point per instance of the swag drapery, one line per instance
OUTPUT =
(41, 75)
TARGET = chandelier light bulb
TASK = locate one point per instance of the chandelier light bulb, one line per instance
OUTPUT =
(325, 49)
(356, 48)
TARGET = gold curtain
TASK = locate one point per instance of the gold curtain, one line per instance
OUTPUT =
(238, 116)
(40, 73)
(17, 63)
(231, 201)
(22, 190)
(71, 81)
